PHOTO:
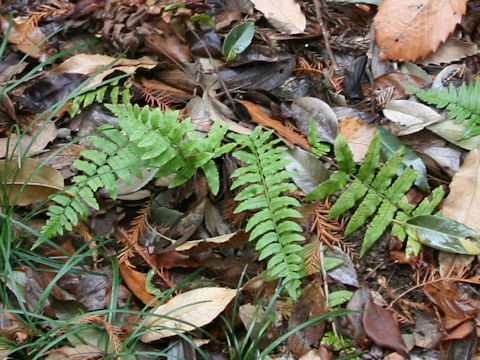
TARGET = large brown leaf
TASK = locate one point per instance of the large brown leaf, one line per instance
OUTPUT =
(463, 201)
(309, 305)
(45, 182)
(410, 29)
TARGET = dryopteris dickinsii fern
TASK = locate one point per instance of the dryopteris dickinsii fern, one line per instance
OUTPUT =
(271, 229)
(376, 191)
(463, 104)
(147, 139)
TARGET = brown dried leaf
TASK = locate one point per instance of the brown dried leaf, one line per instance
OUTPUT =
(263, 119)
(83, 352)
(25, 37)
(410, 29)
(38, 142)
(463, 202)
(382, 328)
(45, 182)
(136, 283)
(309, 305)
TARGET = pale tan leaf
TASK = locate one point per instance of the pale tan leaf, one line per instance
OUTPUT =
(463, 202)
(359, 135)
(26, 36)
(409, 117)
(29, 144)
(452, 50)
(45, 182)
(89, 64)
(224, 241)
(187, 311)
(84, 352)
(285, 15)
(410, 29)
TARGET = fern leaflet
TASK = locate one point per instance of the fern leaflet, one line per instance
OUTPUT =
(463, 104)
(375, 192)
(148, 139)
(271, 228)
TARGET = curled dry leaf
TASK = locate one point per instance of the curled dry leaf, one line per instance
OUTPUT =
(285, 15)
(409, 117)
(45, 182)
(410, 29)
(89, 64)
(187, 311)
(263, 119)
(29, 144)
(359, 135)
(463, 202)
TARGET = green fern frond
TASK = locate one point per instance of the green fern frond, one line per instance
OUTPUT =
(274, 234)
(148, 139)
(374, 191)
(98, 95)
(463, 104)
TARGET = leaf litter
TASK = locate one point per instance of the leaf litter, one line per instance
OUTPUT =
(180, 257)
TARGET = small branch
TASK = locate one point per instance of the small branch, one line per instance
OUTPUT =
(325, 35)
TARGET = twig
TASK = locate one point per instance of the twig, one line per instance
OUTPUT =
(325, 35)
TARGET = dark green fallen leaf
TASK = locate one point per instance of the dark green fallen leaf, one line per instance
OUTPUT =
(443, 234)
(390, 144)
(238, 39)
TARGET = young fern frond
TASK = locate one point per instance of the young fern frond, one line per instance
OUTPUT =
(375, 191)
(271, 229)
(149, 139)
(463, 104)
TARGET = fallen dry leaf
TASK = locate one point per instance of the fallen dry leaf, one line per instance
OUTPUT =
(285, 15)
(84, 352)
(187, 311)
(89, 64)
(309, 305)
(135, 281)
(263, 119)
(463, 202)
(359, 135)
(39, 187)
(29, 144)
(410, 29)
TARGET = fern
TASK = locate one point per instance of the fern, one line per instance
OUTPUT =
(375, 190)
(98, 95)
(463, 104)
(271, 228)
(149, 139)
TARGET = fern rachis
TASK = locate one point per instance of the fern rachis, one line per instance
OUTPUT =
(275, 235)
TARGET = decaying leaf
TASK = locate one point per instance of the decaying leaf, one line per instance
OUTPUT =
(39, 187)
(308, 306)
(310, 172)
(136, 283)
(326, 123)
(187, 311)
(410, 29)
(84, 352)
(463, 202)
(285, 15)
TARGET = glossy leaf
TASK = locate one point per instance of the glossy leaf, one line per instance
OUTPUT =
(443, 234)
(238, 39)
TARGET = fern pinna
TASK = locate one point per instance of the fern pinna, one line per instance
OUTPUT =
(271, 228)
(147, 139)
(376, 190)
(463, 104)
